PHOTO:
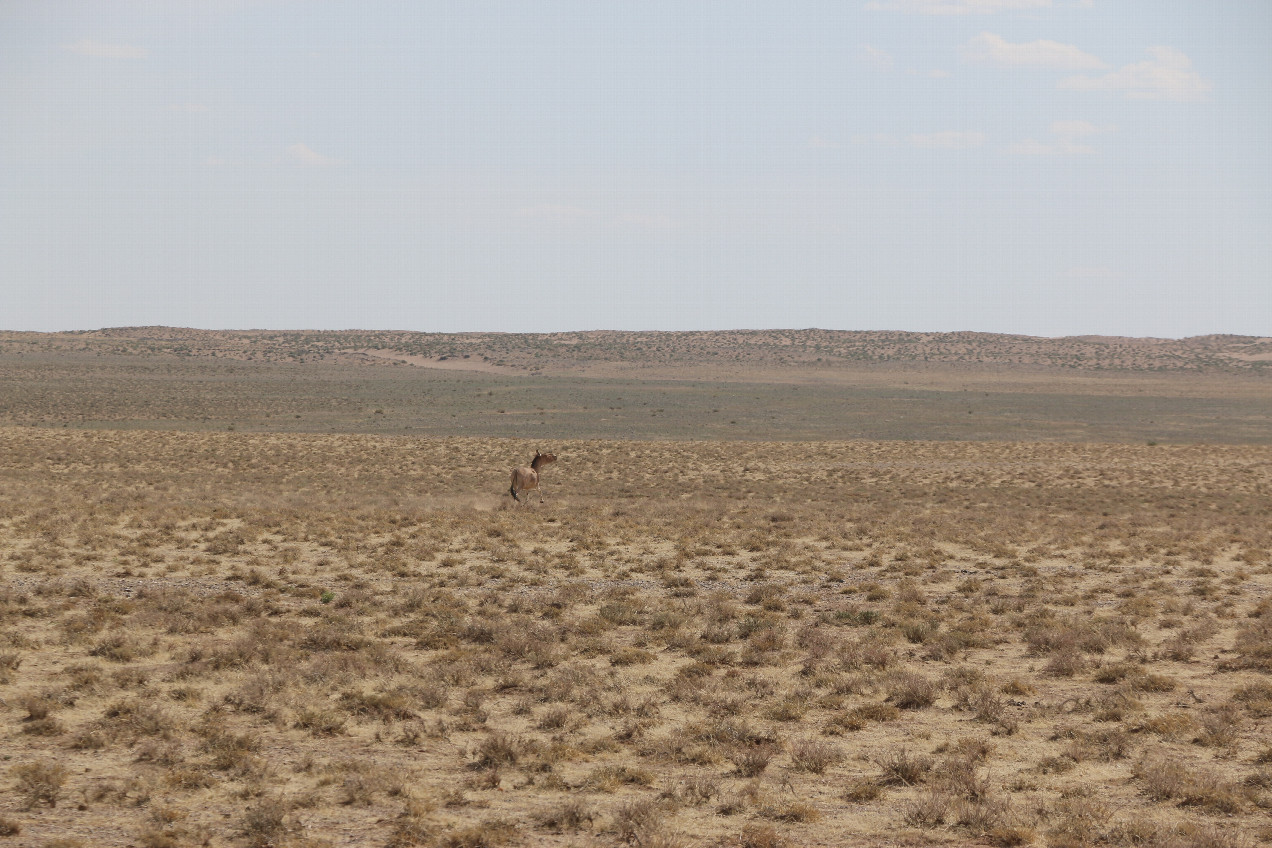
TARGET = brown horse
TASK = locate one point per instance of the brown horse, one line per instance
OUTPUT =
(526, 478)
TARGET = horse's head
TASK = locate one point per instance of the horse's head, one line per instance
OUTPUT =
(542, 459)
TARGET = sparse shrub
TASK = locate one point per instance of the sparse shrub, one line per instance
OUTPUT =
(1102, 746)
(637, 819)
(413, 826)
(1150, 682)
(790, 810)
(911, 691)
(858, 717)
(718, 634)
(230, 751)
(900, 768)
(487, 834)
(1010, 835)
(1165, 780)
(360, 785)
(164, 753)
(609, 778)
(622, 613)
(852, 617)
(980, 815)
(386, 706)
(267, 821)
(1219, 727)
(190, 777)
(136, 719)
(919, 631)
(1200, 835)
(342, 634)
(814, 755)
(693, 791)
(631, 656)
(1065, 663)
(9, 663)
(90, 739)
(430, 696)
(1254, 642)
(1114, 673)
(1017, 686)
(959, 776)
(37, 706)
(120, 648)
(790, 708)
(752, 760)
(1259, 779)
(1175, 725)
(320, 721)
(1082, 635)
(861, 790)
(554, 718)
(758, 836)
(572, 814)
(1255, 699)
(39, 782)
(499, 749)
(44, 727)
(929, 809)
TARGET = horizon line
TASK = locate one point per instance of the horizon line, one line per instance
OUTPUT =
(135, 327)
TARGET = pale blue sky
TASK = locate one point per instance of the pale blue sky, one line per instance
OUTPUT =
(1048, 167)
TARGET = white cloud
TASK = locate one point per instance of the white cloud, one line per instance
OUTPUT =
(1065, 143)
(1059, 147)
(875, 57)
(990, 49)
(1076, 129)
(948, 140)
(954, 7)
(1166, 75)
(102, 50)
(304, 155)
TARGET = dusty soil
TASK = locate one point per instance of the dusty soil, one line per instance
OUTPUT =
(353, 639)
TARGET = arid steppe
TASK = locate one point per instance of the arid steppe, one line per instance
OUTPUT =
(784, 385)
(253, 601)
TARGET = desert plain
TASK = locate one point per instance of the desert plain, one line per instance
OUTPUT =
(782, 589)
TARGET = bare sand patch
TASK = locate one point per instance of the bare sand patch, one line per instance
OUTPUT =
(442, 363)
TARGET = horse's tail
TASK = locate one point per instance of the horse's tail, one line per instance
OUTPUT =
(512, 490)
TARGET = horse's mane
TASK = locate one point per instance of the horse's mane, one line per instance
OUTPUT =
(534, 463)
